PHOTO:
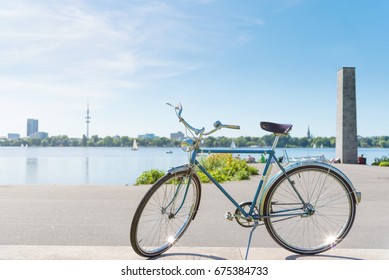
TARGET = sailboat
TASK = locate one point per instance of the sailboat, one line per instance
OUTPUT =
(233, 145)
(134, 146)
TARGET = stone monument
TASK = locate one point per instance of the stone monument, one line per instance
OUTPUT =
(346, 119)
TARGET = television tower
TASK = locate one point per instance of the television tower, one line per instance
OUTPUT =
(87, 121)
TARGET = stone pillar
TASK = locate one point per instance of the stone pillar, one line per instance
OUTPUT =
(346, 119)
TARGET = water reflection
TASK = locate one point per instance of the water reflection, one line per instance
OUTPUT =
(106, 166)
(86, 171)
(31, 170)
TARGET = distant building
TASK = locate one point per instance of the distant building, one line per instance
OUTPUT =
(147, 136)
(13, 136)
(309, 134)
(177, 136)
(39, 135)
(32, 127)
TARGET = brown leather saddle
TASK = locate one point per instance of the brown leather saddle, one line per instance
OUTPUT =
(276, 127)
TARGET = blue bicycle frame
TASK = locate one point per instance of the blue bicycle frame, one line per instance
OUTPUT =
(195, 148)
(271, 158)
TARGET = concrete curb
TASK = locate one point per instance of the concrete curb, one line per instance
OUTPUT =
(34, 252)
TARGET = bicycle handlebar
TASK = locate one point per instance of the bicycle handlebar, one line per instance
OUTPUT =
(217, 125)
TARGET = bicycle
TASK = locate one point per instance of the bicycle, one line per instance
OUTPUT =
(308, 207)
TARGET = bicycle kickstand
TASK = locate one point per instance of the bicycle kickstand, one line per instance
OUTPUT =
(256, 224)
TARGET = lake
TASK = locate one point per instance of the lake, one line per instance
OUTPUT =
(109, 166)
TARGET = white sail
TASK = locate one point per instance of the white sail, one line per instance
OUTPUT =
(134, 145)
(233, 145)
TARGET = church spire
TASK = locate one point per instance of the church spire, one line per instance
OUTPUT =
(309, 135)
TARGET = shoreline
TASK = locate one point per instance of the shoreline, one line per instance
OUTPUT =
(381, 173)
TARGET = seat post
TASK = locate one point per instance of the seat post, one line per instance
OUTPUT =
(275, 142)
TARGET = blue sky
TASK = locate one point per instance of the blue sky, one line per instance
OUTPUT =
(240, 62)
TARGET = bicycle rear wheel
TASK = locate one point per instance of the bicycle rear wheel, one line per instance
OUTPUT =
(318, 224)
(165, 213)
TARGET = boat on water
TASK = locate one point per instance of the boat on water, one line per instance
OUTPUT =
(134, 146)
(233, 145)
(169, 152)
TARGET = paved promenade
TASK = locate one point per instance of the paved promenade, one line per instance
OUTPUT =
(93, 222)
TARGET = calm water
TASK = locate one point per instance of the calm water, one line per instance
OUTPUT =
(107, 166)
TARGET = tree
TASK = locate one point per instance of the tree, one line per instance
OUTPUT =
(209, 142)
(268, 139)
(117, 142)
(125, 141)
(45, 142)
(93, 141)
(247, 141)
(74, 142)
(382, 143)
(108, 141)
(84, 141)
(241, 142)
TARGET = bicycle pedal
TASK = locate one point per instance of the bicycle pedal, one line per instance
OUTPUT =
(229, 216)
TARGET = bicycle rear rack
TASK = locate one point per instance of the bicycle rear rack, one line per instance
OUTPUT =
(288, 160)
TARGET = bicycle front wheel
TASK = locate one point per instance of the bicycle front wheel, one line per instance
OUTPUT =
(165, 213)
(321, 221)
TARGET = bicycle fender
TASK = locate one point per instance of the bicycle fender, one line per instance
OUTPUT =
(357, 195)
(185, 167)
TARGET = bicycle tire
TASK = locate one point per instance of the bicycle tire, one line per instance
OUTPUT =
(165, 213)
(330, 209)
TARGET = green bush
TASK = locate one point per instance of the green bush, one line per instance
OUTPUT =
(223, 167)
(149, 177)
(378, 161)
(384, 163)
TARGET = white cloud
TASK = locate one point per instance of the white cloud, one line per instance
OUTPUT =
(76, 44)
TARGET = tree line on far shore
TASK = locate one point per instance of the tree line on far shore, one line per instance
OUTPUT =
(247, 141)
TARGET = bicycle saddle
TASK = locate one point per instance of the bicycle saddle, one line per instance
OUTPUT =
(276, 127)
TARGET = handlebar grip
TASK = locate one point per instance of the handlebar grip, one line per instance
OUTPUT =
(231, 126)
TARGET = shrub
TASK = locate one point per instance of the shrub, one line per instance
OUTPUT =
(222, 167)
(384, 163)
(378, 161)
(149, 177)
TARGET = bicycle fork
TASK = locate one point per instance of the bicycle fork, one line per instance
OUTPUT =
(173, 201)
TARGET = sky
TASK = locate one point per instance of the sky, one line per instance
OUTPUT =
(240, 62)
